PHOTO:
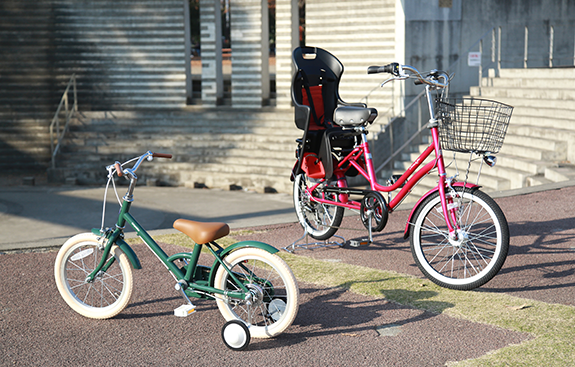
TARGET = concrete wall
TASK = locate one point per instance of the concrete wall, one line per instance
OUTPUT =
(359, 33)
(440, 33)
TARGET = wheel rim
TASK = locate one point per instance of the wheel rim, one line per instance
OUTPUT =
(269, 293)
(469, 257)
(317, 218)
(107, 288)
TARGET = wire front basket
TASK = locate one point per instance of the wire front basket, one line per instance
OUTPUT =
(472, 124)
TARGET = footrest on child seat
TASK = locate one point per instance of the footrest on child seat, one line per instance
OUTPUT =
(184, 310)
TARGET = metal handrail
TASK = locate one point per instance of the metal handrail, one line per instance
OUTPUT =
(416, 100)
(56, 120)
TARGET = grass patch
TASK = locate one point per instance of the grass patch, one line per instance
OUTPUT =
(551, 325)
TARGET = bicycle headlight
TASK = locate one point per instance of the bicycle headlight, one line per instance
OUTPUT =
(490, 160)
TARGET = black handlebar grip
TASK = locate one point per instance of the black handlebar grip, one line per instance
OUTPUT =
(392, 68)
(417, 82)
(161, 155)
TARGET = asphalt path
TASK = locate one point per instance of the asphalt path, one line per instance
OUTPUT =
(333, 327)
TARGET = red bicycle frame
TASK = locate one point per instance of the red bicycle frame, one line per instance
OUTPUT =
(367, 170)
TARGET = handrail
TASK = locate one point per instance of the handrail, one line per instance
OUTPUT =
(56, 120)
(412, 102)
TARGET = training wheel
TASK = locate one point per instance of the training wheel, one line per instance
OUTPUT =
(236, 335)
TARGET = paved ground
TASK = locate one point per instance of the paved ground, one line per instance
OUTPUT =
(43, 216)
(333, 326)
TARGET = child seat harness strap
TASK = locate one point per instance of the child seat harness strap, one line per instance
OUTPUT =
(305, 82)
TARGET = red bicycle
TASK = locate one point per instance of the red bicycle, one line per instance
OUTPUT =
(458, 234)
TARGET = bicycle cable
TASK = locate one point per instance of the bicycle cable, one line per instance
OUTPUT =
(111, 170)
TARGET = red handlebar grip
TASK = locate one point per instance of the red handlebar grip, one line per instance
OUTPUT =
(161, 155)
(119, 169)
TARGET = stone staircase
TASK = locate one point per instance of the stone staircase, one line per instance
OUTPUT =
(539, 146)
(126, 55)
(217, 148)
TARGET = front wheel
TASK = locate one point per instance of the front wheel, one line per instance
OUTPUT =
(275, 295)
(320, 221)
(478, 252)
(104, 297)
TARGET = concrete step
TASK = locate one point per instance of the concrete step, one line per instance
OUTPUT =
(534, 147)
(544, 132)
(503, 176)
(550, 122)
(538, 154)
(560, 172)
(537, 103)
(220, 148)
(566, 115)
(527, 93)
(185, 150)
(240, 162)
(530, 83)
(537, 73)
(249, 181)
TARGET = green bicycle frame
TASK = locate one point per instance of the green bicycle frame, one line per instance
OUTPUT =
(188, 273)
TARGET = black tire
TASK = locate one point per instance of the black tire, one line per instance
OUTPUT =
(320, 221)
(478, 254)
(236, 335)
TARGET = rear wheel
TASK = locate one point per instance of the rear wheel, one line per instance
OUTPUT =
(320, 221)
(478, 252)
(275, 295)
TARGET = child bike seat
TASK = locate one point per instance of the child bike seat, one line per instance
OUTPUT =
(354, 116)
(316, 97)
(201, 232)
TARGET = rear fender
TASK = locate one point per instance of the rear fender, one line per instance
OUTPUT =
(416, 206)
(235, 246)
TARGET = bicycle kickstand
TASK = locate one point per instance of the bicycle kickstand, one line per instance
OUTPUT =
(356, 243)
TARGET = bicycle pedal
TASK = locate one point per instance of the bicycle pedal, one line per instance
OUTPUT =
(184, 310)
(357, 243)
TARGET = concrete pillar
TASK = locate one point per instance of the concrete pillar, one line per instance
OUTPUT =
(359, 33)
(250, 53)
(287, 38)
(211, 52)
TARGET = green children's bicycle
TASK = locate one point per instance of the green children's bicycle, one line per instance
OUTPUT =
(255, 289)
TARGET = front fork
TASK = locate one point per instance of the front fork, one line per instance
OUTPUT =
(107, 241)
(449, 211)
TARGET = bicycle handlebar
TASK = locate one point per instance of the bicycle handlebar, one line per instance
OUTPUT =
(131, 171)
(436, 78)
(162, 155)
(118, 169)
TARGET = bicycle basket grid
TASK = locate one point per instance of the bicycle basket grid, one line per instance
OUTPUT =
(473, 124)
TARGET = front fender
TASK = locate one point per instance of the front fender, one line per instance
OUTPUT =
(129, 253)
(126, 249)
(416, 206)
(235, 246)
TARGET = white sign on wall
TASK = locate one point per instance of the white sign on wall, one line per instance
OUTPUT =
(474, 59)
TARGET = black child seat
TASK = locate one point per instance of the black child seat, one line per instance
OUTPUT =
(321, 113)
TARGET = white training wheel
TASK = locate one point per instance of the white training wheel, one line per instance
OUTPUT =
(236, 335)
